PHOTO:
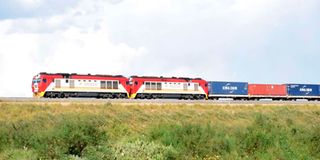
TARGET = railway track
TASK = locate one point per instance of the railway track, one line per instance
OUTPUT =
(156, 101)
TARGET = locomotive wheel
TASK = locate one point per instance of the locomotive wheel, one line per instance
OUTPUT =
(154, 96)
(123, 96)
(51, 95)
(66, 95)
(105, 96)
(201, 97)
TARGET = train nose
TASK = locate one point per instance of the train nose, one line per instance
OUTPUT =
(36, 87)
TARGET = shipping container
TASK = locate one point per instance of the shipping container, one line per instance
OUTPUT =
(267, 90)
(303, 90)
(227, 88)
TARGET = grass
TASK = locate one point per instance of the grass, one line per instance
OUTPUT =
(40, 130)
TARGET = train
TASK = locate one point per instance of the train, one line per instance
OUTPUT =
(66, 85)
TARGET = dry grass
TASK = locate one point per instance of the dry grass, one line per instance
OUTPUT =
(139, 116)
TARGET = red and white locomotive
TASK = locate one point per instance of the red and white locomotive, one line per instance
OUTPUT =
(164, 87)
(62, 85)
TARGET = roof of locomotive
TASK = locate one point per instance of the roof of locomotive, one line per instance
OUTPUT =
(75, 74)
(161, 77)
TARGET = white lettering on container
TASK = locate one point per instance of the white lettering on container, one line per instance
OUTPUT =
(230, 88)
(305, 89)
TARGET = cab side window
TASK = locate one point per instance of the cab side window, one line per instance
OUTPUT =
(109, 85)
(115, 85)
(147, 85)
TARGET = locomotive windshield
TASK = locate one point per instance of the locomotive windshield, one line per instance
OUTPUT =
(36, 80)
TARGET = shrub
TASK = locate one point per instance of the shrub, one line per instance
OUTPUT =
(112, 131)
(267, 139)
(100, 152)
(140, 149)
(66, 135)
(193, 140)
(72, 134)
(258, 137)
(17, 154)
(4, 136)
(315, 142)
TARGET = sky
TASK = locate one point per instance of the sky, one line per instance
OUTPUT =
(257, 41)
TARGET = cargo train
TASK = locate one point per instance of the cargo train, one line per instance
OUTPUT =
(64, 85)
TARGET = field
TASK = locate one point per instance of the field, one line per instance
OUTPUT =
(105, 130)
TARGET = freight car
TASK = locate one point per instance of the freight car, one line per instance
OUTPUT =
(267, 91)
(234, 90)
(303, 91)
(62, 85)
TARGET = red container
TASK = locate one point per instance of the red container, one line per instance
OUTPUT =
(267, 90)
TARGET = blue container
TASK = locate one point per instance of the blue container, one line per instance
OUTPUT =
(303, 90)
(228, 88)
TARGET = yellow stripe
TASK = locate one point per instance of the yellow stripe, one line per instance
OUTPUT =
(132, 96)
(38, 95)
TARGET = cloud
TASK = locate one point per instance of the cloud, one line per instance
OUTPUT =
(17, 9)
(30, 3)
(17, 52)
(239, 40)
(91, 51)
(66, 48)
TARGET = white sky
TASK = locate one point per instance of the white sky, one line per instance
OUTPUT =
(264, 41)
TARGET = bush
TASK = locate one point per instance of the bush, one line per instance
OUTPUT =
(267, 139)
(258, 137)
(264, 139)
(140, 149)
(101, 152)
(110, 131)
(66, 135)
(17, 154)
(193, 140)
(315, 142)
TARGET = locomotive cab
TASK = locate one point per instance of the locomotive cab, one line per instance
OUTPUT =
(37, 84)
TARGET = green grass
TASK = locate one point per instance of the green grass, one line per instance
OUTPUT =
(158, 131)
